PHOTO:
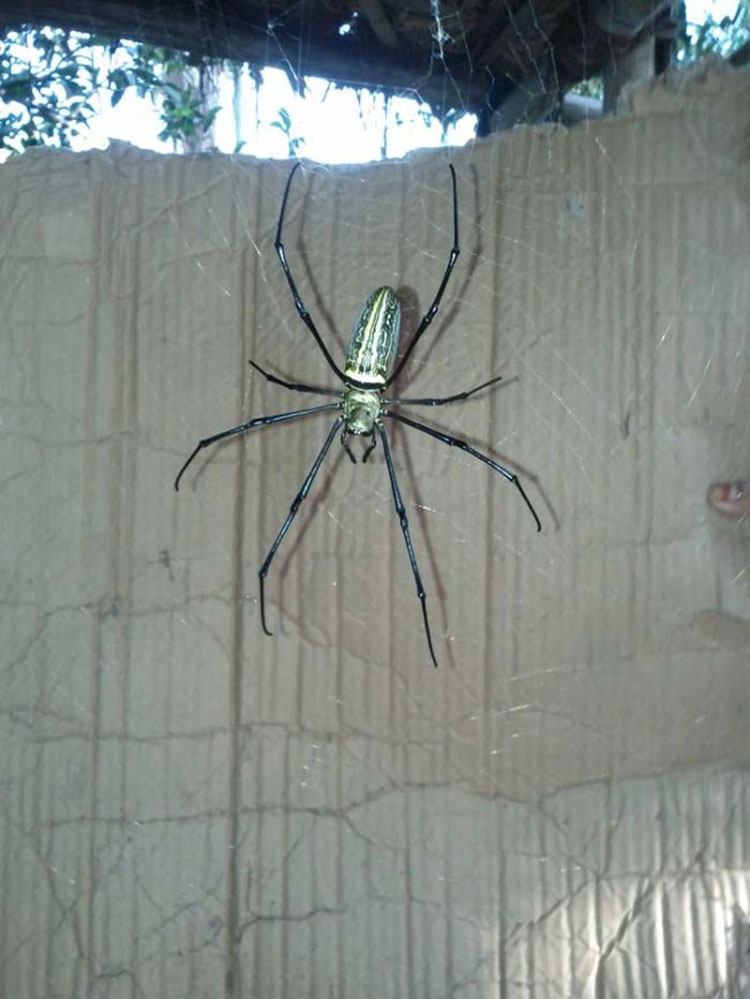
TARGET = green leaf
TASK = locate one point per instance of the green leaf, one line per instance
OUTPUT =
(210, 116)
(118, 79)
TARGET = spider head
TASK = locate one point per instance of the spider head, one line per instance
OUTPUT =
(361, 408)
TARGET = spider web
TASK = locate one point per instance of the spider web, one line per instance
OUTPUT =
(523, 816)
(590, 400)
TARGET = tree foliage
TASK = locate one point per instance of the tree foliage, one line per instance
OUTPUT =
(52, 83)
(723, 37)
(284, 124)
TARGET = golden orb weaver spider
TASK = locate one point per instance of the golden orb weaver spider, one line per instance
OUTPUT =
(369, 368)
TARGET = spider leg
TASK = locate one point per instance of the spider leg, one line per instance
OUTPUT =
(259, 421)
(345, 445)
(370, 447)
(430, 314)
(296, 386)
(263, 571)
(299, 304)
(401, 511)
(455, 442)
(442, 401)
(345, 434)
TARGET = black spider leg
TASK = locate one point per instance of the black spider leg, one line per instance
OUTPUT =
(296, 386)
(259, 421)
(299, 304)
(430, 314)
(345, 445)
(345, 434)
(370, 447)
(401, 511)
(455, 442)
(442, 401)
(263, 571)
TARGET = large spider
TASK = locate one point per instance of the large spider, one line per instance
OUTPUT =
(369, 369)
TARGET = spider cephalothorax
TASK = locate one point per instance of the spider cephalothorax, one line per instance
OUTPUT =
(369, 368)
(361, 410)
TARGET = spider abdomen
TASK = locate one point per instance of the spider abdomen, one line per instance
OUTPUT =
(374, 341)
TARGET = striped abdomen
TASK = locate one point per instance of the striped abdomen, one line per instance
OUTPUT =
(374, 343)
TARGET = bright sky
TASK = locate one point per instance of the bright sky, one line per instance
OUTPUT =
(336, 124)
(698, 10)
